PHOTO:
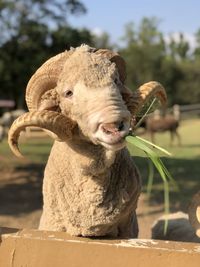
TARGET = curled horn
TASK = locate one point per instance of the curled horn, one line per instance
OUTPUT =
(136, 100)
(52, 121)
(40, 92)
(44, 80)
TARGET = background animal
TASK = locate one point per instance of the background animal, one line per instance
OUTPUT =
(91, 185)
(156, 122)
(1, 133)
(8, 117)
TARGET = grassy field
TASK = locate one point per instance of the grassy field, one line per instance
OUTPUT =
(184, 165)
(35, 151)
(20, 177)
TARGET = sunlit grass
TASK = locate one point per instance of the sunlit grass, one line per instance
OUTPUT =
(183, 165)
(35, 150)
(190, 138)
(155, 161)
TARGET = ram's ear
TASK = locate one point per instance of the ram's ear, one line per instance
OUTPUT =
(49, 105)
(50, 101)
(127, 96)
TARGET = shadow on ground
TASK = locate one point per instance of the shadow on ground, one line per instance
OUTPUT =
(21, 189)
(186, 174)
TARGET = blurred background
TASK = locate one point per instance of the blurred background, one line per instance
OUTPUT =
(158, 40)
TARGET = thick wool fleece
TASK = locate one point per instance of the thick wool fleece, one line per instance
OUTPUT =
(90, 192)
(90, 68)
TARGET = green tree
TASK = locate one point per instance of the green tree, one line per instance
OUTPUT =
(65, 37)
(148, 33)
(28, 39)
(21, 55)
(52, 13)
(102, 40)
(150, 57)
(179, 49)
(197, 49)
(188, 87)
(144, 51)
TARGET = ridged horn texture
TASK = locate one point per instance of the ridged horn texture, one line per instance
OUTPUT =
(53, 121)
(42, 83)
(137, 99)
(194, 213)
(44, 79)
(117, 59)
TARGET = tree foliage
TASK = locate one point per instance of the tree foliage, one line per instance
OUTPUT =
(52, 13)
(150, 56)
(34, 30)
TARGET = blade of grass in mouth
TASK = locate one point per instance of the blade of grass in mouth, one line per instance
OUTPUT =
(159, 165)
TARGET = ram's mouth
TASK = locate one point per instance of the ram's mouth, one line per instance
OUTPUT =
(116, 143)
(112, 135)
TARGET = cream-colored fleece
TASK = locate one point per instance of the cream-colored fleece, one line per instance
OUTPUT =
(88, 192)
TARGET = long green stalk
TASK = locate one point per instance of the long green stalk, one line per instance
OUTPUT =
(144, 115)
(159, 165)
(150, 177)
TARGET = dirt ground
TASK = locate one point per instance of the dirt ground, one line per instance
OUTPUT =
(21, 200)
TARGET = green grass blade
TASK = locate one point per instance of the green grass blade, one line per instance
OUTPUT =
(159, 165)
(166, 201)
(168, 174)
(141, 145)
(150, 178)
(141, 120)
(155, 146)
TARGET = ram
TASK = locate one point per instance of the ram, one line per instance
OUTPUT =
(91, 185)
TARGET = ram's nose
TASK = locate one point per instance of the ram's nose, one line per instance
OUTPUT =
(114, 128)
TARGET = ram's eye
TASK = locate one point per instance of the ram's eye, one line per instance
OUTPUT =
(68, 93)
(117, 81)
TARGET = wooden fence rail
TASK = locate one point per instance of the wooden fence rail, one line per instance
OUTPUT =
(32, 248)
